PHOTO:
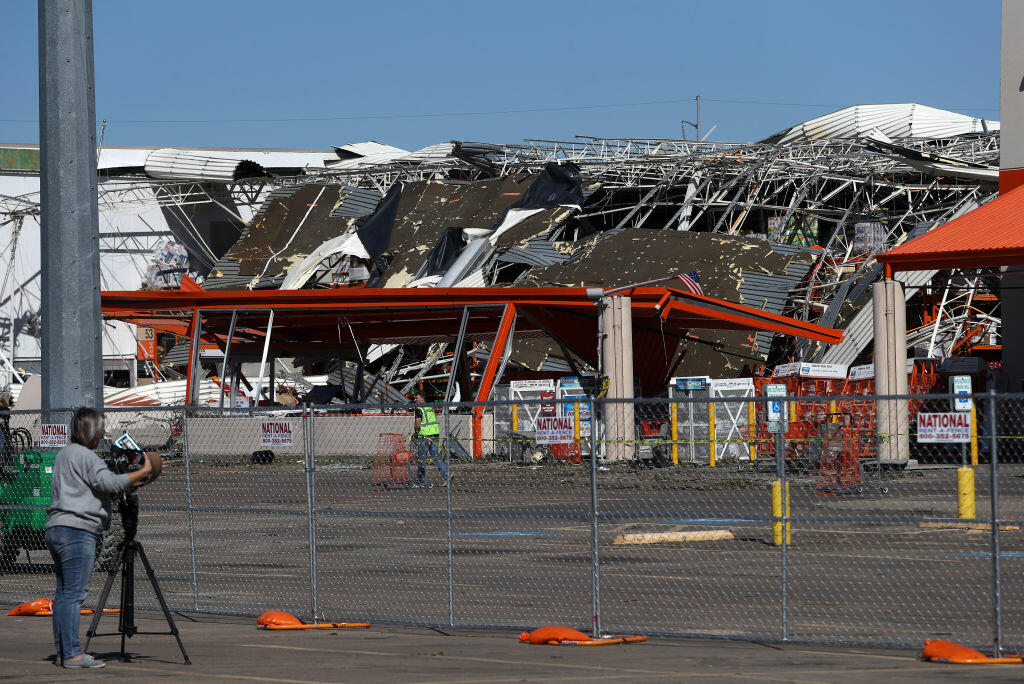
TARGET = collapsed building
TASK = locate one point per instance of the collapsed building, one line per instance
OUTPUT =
(789, 225)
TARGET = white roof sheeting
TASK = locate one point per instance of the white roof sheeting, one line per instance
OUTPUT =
(171, 164)
(903, 120)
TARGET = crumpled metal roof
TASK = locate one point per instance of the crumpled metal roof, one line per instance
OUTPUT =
(172, 164)
(903, 120)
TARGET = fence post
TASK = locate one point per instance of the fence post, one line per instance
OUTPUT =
(188, 499)
(448, 514)
(596, 563)
(308, 445)
(997, 598)
(780, 465)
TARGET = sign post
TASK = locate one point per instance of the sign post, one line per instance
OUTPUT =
(960, 388)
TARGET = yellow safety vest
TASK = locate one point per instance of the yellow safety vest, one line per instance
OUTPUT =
(428, 422)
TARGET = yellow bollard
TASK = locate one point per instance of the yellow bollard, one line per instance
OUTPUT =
(674, 424)
(711, 435)
(965, 493)
(974, 437)
(515, 418)
(833, 409)
(777, 513)
(576, 421)
(752, 431)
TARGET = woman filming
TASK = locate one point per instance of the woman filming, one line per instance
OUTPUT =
(79, 513)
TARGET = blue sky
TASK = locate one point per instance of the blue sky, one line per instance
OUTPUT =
(315, 73)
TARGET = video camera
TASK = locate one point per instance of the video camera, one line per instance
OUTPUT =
(126, 456)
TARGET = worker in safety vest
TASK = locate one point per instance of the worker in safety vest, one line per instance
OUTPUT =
(427, 437)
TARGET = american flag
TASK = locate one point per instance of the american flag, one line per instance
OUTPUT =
(691, 281)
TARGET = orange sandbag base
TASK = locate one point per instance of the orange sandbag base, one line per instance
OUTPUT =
(951, 652)
(278, 619)
(554, 635)
(43, 607)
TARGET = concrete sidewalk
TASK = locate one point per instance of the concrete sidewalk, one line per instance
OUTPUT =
(232, 649)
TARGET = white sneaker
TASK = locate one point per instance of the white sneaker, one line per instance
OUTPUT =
(85, 660)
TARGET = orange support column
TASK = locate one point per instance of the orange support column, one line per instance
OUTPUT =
(193, 352)
(505, 327)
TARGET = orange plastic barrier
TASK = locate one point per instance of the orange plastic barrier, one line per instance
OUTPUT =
(555, 635)
(278, 619)
(950, 652)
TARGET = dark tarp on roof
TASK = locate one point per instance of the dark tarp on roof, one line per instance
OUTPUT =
(375, 233)
(445, 252)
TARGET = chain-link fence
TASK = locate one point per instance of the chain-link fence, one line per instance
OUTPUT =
(791, 518)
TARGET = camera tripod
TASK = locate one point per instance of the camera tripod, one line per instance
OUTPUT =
(127, 551)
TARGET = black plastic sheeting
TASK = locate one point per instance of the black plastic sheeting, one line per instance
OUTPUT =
(375, 234)
(557, 185)
(445, 252)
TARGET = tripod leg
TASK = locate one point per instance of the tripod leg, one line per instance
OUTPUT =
(160, 598)
(111, 574)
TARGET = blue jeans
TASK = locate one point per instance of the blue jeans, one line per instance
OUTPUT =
(426, 452)
(72, 551)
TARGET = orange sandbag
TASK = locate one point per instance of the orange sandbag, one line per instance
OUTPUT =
(549, 633)
(33, 607)
(939, 651)
(278, 619)
(555, 635)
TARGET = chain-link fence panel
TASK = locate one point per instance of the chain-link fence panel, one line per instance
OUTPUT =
(520, 528)
(881, 544)
(380, 538)
(684, 547)
(1007, 414)
(248, 501)
(26, 471)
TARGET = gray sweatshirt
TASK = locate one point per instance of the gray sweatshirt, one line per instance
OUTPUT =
(80, 490)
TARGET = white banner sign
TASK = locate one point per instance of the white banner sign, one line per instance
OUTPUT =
(823, 370)
(532, 385)
(943, 427)
(554, 430)
(276, 433)
(731, 384)
(784, 370)
(53, 436)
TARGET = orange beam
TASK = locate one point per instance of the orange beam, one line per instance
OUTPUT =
(191, 355)
(490, 371)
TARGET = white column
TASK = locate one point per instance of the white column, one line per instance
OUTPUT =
(890, 326)
(617, 359)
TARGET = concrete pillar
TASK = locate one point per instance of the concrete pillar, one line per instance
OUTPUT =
(617, 361)
(72, 345)
(890, 327)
